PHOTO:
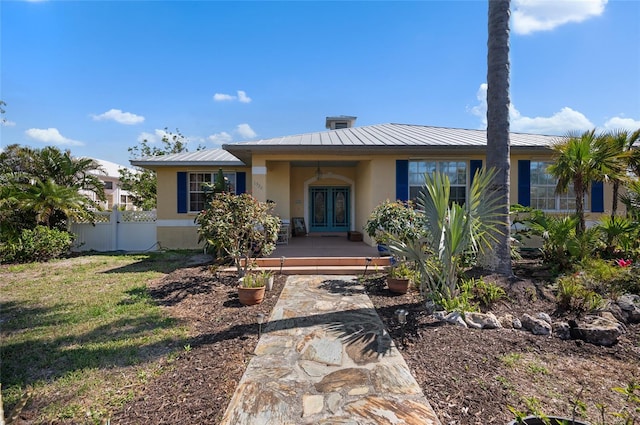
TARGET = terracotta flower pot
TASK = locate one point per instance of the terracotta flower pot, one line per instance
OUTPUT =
(398, 285)
(251, 296)
(553, 420)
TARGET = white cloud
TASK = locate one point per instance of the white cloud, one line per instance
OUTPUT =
(480, 110)
(154, 137)
(118, 116)
(51, 135)
(245, 131)
(240, 97)
(621, 123)
(221, 97)
(560, 123)
(565, 121)
(220, 138)
(529, 16)
(243, 98)
(7, 123)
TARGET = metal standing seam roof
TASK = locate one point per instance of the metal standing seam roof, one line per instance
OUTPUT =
(210, 157)
(379, 137)
(395, 135)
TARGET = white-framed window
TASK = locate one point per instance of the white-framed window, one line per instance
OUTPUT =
(455, 170)
(197, 187)
(543, 190)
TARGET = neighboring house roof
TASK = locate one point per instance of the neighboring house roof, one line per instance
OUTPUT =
(208, 157)
(379, 138)
(110, 168)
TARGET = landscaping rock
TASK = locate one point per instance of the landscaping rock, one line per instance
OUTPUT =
(609, 316)
(544, 316)
(506, 321)
(596, 330)
(517, 324)
(481, 320)
(455, 318)
(439, 315)
(562, 330)
(630, 307)
(535, 326)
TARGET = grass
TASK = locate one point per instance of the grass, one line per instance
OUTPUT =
(82, 335)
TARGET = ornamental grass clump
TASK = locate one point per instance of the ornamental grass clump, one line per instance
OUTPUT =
(239, 226)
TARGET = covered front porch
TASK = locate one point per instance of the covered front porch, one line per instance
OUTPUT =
(332, 254)
(323, 245)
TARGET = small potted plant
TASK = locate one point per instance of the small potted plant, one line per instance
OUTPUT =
(399, 277)
(252, 287)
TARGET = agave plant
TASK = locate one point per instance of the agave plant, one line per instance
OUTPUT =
(451, 230)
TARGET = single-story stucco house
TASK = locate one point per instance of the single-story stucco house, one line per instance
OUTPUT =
(333, 179)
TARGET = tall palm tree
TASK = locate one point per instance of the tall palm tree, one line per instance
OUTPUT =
(581, 159)
(498, 143)
(622, 142)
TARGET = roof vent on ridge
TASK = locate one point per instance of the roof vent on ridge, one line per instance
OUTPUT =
(341, 121)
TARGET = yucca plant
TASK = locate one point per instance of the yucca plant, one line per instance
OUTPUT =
(450, 231)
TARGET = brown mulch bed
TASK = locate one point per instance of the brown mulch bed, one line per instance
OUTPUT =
(469, 376)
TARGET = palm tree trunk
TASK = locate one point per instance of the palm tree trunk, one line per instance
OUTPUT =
(498, 144)
(614, 203)
(580, 190)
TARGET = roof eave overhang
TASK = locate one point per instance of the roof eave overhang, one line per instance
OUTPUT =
(245, 152)
(157, 164)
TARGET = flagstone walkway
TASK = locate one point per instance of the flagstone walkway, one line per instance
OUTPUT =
(324, 357)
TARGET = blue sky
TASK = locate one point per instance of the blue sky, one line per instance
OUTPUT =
(98, 76)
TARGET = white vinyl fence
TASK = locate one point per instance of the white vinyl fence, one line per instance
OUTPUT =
(117, 231)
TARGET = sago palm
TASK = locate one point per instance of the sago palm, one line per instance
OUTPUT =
(69, 171)
(47, 198)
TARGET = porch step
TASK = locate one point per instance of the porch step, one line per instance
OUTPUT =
(320, 265)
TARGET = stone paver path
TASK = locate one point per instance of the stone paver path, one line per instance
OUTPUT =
(325, 358)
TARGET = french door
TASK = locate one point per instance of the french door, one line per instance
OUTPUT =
(330, 209)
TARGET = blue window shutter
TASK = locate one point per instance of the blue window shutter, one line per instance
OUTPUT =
(182, 192)
(402, 180)
(474, 166)
(597, 197)
(241, 182)
(524, 182)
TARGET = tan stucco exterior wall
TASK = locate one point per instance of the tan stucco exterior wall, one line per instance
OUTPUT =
(175, 230)
(273, 177)
(589, 216)
(278, 187)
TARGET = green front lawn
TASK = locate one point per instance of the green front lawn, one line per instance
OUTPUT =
(82, 335)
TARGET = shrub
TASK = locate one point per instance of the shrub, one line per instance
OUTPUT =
(393, 219)
(486, 293)
(574, 294)
(37, 244)
(240, 226)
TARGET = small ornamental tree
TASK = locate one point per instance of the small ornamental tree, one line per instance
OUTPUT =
(240, 226)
